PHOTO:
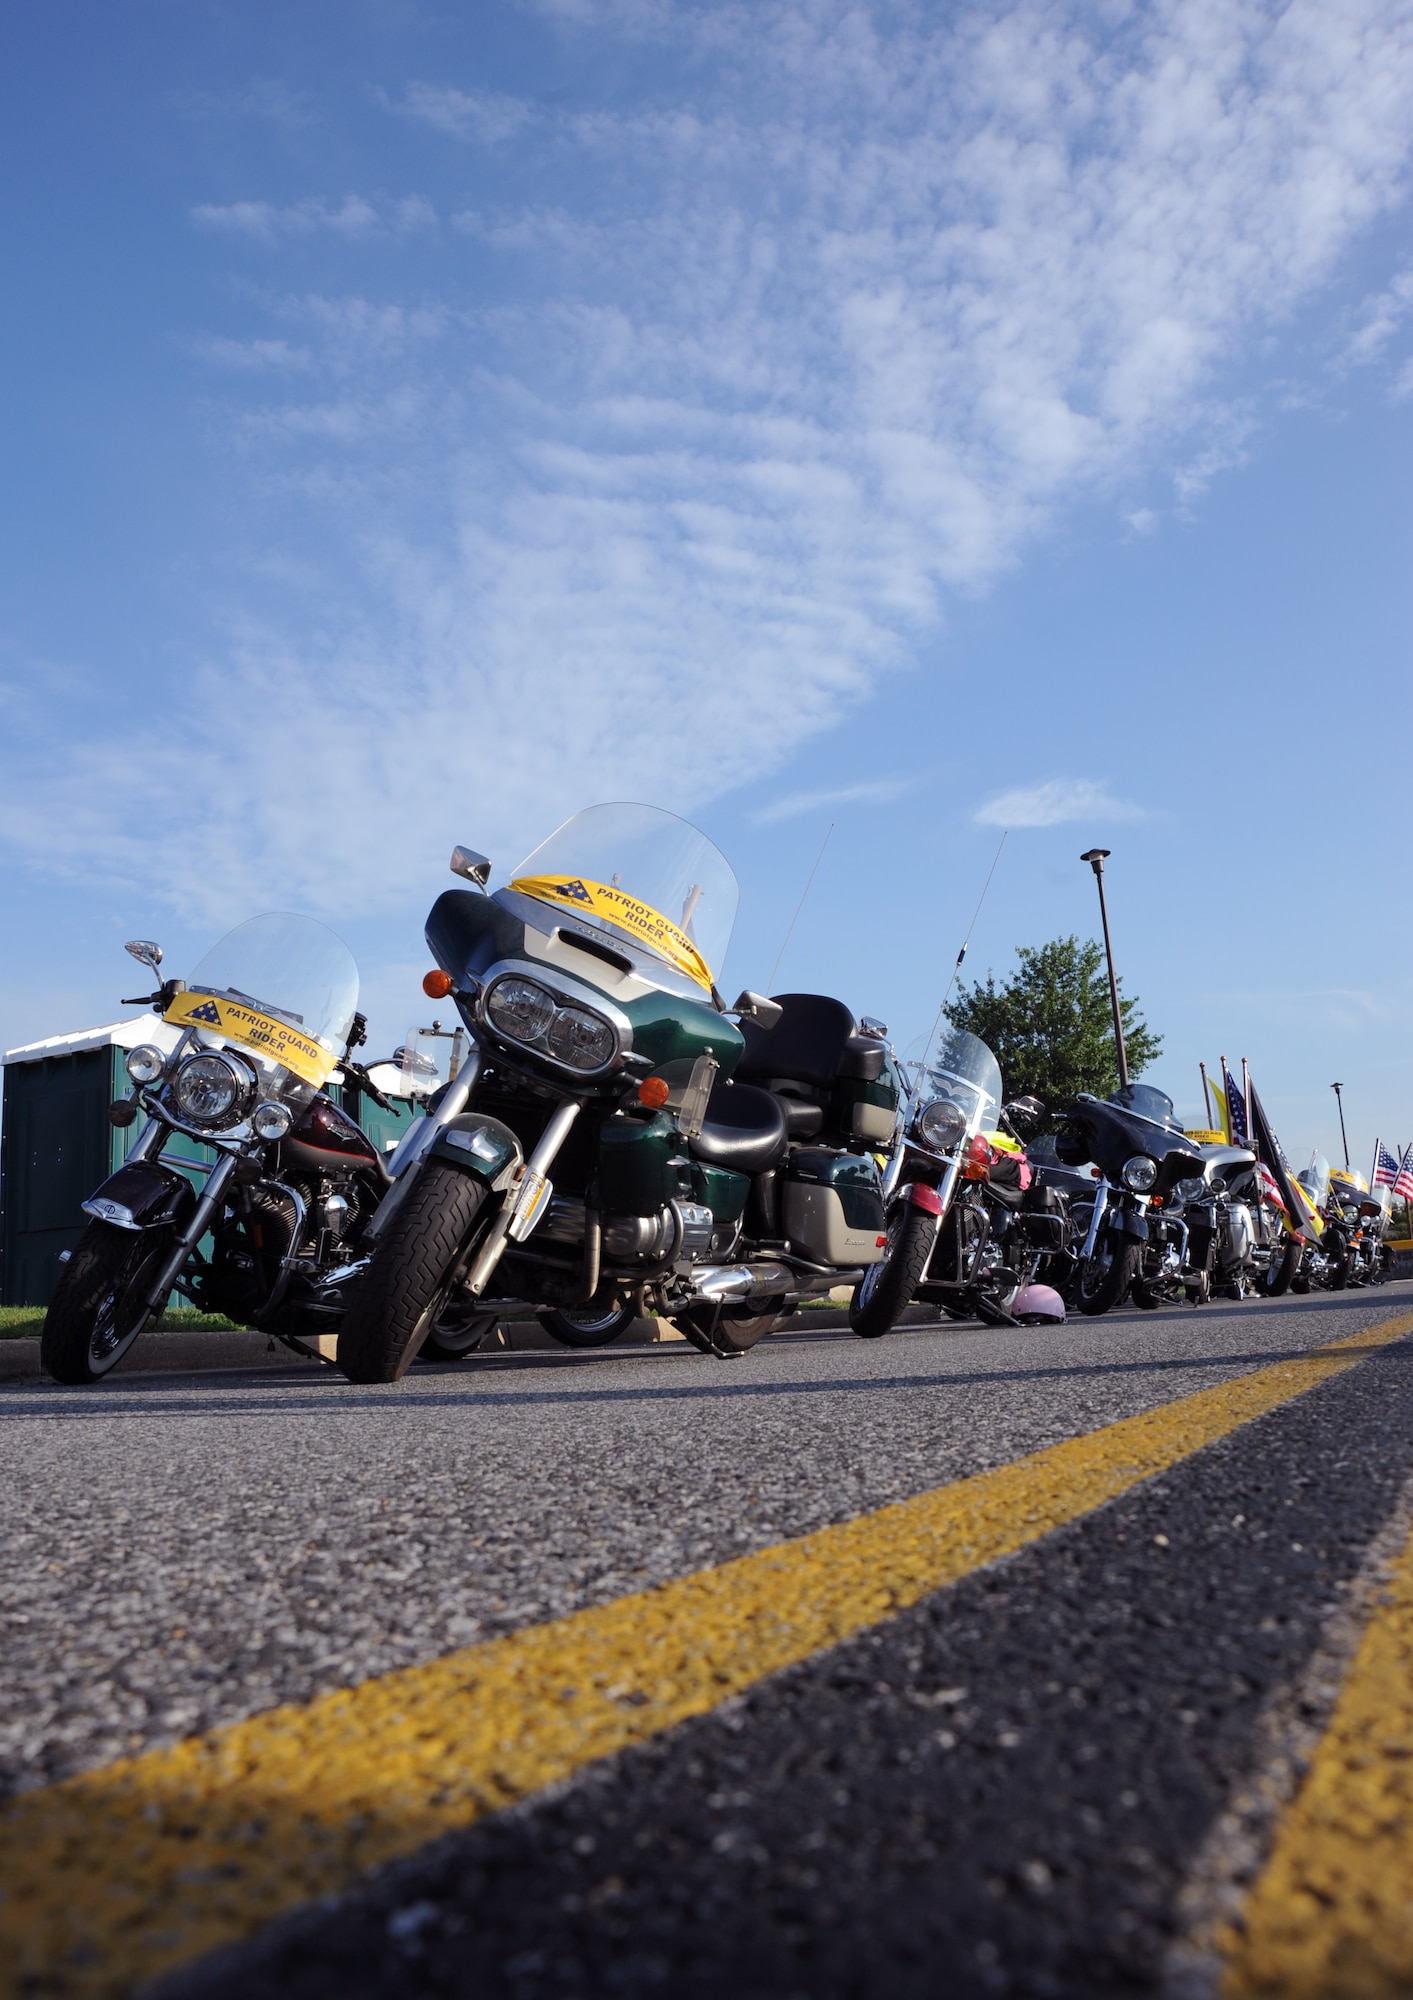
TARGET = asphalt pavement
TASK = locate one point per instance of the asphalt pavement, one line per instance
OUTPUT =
(1054, 1776)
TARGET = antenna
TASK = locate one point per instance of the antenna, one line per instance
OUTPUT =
(942, 1004)
(770, 983)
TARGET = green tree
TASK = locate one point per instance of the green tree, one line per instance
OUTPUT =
(1051, 1026)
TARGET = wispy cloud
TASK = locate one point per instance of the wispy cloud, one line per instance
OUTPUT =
(485, 115)
(1054, 802)
(834, 331)
(794, 805)
(353, 218)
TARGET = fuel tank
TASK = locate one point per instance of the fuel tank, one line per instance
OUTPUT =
(326, 1140)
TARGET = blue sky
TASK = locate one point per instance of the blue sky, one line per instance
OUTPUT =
(421, 422)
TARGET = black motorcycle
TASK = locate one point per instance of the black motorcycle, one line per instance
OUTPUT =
(238, 1064)
(1129, 1240)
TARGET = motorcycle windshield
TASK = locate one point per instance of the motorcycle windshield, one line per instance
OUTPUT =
(1315, 1179)
(639, 873)
(282, 986)
(966, 1071)
(1141, 1100)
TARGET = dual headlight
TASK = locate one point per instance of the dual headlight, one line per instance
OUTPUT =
(1140, 1173)
(525, 1012)
(940, 1124)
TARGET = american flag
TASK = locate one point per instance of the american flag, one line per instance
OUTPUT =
(1403, 1186)
(1236, 1112)
(1385, 1166)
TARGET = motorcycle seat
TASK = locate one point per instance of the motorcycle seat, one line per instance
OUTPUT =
(804, 1115)
(744, 1129)
(814, 1042)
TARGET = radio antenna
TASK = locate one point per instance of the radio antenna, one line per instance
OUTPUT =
(769, 984)
(942, 1005)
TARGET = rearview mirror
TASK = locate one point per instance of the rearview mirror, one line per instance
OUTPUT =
(877, 1031)
(1026, 1110)
(474, 867)
(144, 951)
(755, 1007)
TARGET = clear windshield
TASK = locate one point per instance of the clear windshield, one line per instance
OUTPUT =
(965, 1070)
(642, 874)
(1315, 1179)
(1146, 1102)
(287, 968)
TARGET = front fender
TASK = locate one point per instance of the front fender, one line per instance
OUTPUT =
(1128, 1222)
(142, 1194)
(917, 1194)
(479, 1145)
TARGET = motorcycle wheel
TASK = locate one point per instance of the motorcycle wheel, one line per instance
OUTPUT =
(406, 1288)
(1200, 1292)
(1276, 1279)
(713, 1330)
(588, 1328)
(1106, 1276)
(1300, 1282)
(1145, 1295)
(96, 1312)
(887, 1288)
(455, 1342)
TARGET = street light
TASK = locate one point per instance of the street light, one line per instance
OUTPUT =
(1096, 857)
(1337, 1088)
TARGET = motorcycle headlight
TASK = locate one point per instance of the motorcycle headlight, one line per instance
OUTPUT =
(519, 1009)
(581, 1039)
(940, 1124)
(145, 1064)
(206, 1090)
(272, 1119)
(1140, 1173)
(1192, 1190)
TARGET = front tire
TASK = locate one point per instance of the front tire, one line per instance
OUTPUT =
(888, 1287)
(724, 1333)
(408, 1284)
(1107, 1275)
(1277, 1277)
(97, 1310)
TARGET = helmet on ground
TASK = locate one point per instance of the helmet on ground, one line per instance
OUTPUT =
(1038, 1305)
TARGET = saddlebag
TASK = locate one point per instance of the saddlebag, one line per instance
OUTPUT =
(833, 1207)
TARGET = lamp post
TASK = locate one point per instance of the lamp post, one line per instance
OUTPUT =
(1096, 857)
(1338, 1088)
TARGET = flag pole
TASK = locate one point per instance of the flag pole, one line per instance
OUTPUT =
(1246, 1098)
(1338, 1089)
(1206, 1094)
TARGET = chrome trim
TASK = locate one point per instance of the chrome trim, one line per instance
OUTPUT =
(539, 1163)
(568, 992)
(175, 1160)
(207, 1203)
(1101, 1204)
(451, 1106)
(115, 1212)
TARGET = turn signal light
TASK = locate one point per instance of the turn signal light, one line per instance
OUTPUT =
(654, 1091)
(436, 985)
(978, 1159)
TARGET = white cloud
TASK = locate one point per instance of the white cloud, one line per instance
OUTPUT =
(876, 791)
(268, 222)
(1054, 802)
(486, 115)
(833, 332)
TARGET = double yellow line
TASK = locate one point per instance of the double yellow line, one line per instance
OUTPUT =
(118, 1874)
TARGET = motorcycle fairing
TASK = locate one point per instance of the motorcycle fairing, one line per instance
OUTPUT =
(480, 1145)
(142, 1194)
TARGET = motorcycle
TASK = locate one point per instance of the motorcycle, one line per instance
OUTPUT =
(248, 1043)
(716, 1173)
(1353, 1234)
(1130, 1238)
(949, 1229)
(1239, 1238)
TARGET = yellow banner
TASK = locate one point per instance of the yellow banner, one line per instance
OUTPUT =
(597, 899)
(276, 1039)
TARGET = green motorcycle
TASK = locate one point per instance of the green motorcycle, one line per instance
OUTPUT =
(614, 1143)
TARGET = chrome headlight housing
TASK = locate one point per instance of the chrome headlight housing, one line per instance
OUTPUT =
(1140, 1173)
(1190, 1190)
(144, 1063)
(210, 1089)
(940, 1124)
(272, 1119)
(575, 1037)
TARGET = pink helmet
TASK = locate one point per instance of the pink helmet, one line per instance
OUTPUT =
(1038, 1305)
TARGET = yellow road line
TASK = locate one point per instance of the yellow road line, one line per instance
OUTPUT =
(1331, 1918)
(117, 1874)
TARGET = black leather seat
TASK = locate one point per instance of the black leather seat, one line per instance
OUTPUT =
(744, 1129)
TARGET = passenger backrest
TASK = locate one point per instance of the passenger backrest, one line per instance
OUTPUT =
(807, 1045)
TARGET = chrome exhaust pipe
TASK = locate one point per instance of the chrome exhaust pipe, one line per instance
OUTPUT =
(741, 1284)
